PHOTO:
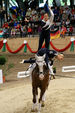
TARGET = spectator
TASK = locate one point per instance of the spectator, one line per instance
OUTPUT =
(24, 31)
(60, 12)
(16, 23)
(63, 31)
(21, 30)
(67, 23)
(13, 33)
(5, 32)
(9, 32)
(42, 16)
(29, 31)
(5, 25)
(70, 30)
(11, 23)
(2, 18)
(56, 14)
(64, 16)
(39, 30)
(9, 18)
(73, 19)
(73, 10)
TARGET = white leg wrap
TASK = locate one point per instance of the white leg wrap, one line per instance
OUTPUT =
(39, 108)
(36, 99)
(34, 106)
(43, 97)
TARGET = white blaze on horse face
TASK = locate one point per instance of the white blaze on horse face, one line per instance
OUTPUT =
(40, 62)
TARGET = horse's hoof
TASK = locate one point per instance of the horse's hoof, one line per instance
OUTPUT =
(34, 110)
(42, 104)
(53, 77)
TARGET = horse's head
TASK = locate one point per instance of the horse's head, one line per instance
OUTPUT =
(40, 62)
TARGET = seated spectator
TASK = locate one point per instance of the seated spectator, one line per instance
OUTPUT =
(11, 23)
(73, 10)
(29, 31)
(8, 32)
(5, 32)
(16, 23)
(72, 20)
(60, 12)
(17, 28)
(9, 18)
(70, 30)
(63, 31)
(63, 22)
(42, 16)
(13, 33)
(5, 25)
(23, 31)
(67, 23)
(64, 16)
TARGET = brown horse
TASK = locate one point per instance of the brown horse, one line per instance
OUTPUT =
(40, 79)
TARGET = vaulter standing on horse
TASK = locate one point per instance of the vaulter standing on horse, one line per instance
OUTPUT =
(45, 24)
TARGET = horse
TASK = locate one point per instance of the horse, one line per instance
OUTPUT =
(40, 79)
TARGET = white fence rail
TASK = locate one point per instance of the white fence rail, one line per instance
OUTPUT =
(68, 68)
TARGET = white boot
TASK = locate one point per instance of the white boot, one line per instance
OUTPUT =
(51, 69)
(30, 69)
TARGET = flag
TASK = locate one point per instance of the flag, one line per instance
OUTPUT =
(55, 35)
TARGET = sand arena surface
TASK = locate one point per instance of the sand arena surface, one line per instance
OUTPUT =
(16, 94)
(60, 98)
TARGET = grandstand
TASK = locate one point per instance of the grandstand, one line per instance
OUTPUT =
(13, 13)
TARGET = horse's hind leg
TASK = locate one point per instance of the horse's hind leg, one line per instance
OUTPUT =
(35, 99)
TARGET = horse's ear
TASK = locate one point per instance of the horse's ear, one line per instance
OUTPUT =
(44, 55)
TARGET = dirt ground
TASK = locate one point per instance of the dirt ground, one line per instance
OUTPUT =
(16, 94)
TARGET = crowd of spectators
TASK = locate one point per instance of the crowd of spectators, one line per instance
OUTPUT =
(64, 17)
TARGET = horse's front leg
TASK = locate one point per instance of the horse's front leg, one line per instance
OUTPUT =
(35, 99)
(41, 99)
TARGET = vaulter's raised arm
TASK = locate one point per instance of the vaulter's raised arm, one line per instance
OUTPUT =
(50, 13)
(51, 16)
